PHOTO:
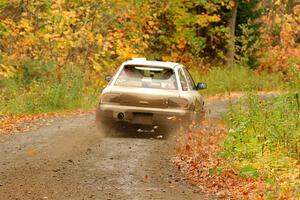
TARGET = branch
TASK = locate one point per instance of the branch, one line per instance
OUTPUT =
(292, 4)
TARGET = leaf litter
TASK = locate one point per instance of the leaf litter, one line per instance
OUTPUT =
(199, 159)
(10, 124)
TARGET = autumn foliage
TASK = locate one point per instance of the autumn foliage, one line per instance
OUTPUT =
(199, 159)
(280, 36)
(98, 35)
(54, 55)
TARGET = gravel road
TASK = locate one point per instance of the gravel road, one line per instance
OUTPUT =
(71, 160)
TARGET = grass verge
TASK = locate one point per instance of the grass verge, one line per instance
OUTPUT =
(253, 155)
(42, 91)
(263, 142)
(199, 160)
(42, 88)
(237, 79)
(71, 90)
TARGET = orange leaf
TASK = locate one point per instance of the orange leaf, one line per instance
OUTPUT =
(188, 148)
(30, 152)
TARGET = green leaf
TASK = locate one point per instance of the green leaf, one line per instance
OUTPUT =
(3, 3)
(249, 171)
(217, 171)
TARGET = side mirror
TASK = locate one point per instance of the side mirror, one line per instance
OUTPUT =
(201, 86)
(108, 78)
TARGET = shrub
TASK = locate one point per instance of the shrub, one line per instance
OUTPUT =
(237, 79)
(265, 134)
(47, 94)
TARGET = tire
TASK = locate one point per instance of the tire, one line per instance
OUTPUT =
(104, 126)
(169, 129)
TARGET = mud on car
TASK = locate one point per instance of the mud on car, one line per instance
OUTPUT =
(150, 94)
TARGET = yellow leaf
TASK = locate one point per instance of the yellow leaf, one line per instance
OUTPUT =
(288, 27)
(30, 152)
(146, 36)
(151, 23)
(277, 19)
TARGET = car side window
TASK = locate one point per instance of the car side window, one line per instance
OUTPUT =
(183, 81)
(189, 78)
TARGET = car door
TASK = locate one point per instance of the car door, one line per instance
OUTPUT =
(186, 92)
(198, 100)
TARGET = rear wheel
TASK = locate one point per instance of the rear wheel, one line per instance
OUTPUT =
(104, 126)
(169, 129)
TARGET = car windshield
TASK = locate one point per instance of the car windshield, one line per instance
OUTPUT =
(147, 77)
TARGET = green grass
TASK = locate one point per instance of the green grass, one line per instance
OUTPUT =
(47, 94)
(264, 136)
(39, 89)
(237, 79)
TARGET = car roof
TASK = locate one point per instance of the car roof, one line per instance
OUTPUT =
(152, 63)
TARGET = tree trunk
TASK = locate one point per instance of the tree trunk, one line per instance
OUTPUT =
(231, 41)
(291, 4)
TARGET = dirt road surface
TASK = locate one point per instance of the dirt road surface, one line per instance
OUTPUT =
(71, 160)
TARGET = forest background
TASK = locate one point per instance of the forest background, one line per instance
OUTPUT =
(55, 53)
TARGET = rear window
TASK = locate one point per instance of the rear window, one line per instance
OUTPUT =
(147, 77)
